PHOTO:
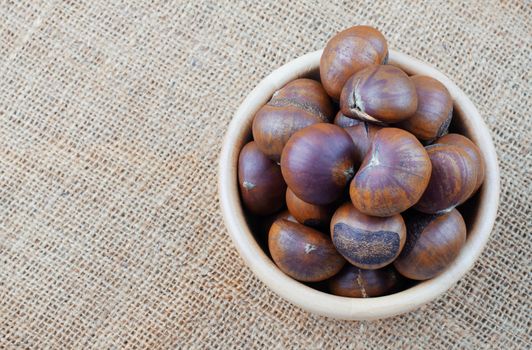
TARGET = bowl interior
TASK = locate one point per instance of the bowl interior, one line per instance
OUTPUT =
(249, 235)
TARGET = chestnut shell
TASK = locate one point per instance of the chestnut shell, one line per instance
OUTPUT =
(434, 109)
(362, 135)
(393, 175)
(342, 121)
(472, 150)
(452, 181)
(298, 104)
(318, 216)
(355, 282)
(308, 93)
(368, 242)
(318, 162)
(379, 93)
(261, 183)
(348, 52)
(303, 253)
(433, 242)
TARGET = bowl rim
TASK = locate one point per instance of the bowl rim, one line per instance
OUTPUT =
(327, 304)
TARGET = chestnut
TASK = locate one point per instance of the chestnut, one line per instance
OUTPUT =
(261, 182)
(362, 136)
(348, 52)
(380, 94)
(318, 162)
(308, 93)
(472, 150)
(355, 282)
(260, 226)
(432, 243)
(434, 109)
(368, 242)
(344, 122)
(298, 104)
(453, 179)
(303, 253)
(308, 214)
(393, 176)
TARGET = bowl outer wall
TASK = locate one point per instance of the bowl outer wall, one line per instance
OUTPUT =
(327, 304)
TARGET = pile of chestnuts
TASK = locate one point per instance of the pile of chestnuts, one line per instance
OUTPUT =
(355, 177)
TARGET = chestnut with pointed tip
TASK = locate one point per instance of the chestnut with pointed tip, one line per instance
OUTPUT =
(344, 122)
(453, 179)
(308, 214)
(318, 162)
(355, 282)
(434, 109)
(362, 136)
(472, 150)
(368, 242)
(433, 242)
(298, 104)
(348, 52)
(393, 175)
(261, 183)
(303, 253)
(379, 94)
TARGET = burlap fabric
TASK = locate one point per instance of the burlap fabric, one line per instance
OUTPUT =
(111, 121)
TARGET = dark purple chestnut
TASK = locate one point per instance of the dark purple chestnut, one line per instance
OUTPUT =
(318, 216)
(362, 136)
(472, 150)
(298, 104)
(434, 110)
(433, 242)
(344, 122)
(261, 183)
(303, 253)
(393, 175)
(318, 162)
(368, 242)
(380, 94)
(453, 179)
(347, 53)
(355, 282)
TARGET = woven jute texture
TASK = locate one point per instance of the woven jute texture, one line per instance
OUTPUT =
(111, 121)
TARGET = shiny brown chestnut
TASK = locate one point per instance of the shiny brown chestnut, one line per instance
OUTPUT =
(434, 109)
(303, 253)
(344, 122)
(298, 104)
(348, 52)
(472, 150)
(362, 136)
(261, 183)
(368, 242)
(433, 242)
(318, 216)
(393, 175)
(355, 282)
(380, 94)
(453, 179)
(318, 162)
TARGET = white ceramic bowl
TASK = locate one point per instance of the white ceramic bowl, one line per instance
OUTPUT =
(480, 219)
